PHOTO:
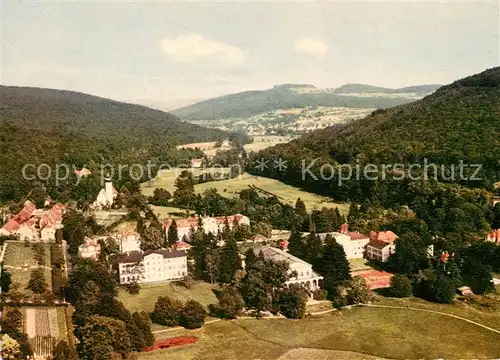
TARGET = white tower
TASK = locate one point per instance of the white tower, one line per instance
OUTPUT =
(108, 187)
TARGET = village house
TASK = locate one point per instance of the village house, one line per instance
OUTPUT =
(210, 224)
(90, 249)
(306, 277)
(353, 242)
(381, 245)
(35, 225)
(128, 240)
(106, 196)
(151, 266)
(494, 236)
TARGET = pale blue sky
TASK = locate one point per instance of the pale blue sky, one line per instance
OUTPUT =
(168, 53)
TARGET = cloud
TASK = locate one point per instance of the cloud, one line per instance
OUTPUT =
(193, 47)
(311, 46)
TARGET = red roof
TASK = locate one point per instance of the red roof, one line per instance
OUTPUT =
(375, 279)
(25, 213)
(11, 226)
(355, 235)
(181, 245)
(343, 228)
(385, 236)
(494, 236)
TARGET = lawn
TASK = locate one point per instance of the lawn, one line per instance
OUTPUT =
(19, 261)
(287, 194)
(387, 333)
(145, 300)
(231, 188)
(265, 141)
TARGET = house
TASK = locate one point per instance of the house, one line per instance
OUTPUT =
(381, 245)
(106, 196)
(32, 224)
(90, 249)
(127, 241)
(375, 279)
(196, 163)
(151, 266)
(306, 277)
(210, 224)
(82, 172)
(353, 242)
(182, 246)
(465, 291)
(494, 236)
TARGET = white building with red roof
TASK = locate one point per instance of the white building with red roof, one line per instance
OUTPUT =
(381, 246)
(128, 240)
(353, 242)
(32, 224)
(494, 236)
(90, 249)
(210, 224)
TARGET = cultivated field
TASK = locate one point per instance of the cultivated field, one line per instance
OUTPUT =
(265, 141)
(44, 327)
(19, 260)
(145, 300)
(363, 332)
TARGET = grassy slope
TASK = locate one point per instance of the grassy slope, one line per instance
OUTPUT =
(145, 300)
(396, 334)
(232, 188)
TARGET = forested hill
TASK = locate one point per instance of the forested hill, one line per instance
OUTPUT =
(460, 121)
(54, 126)
(250, 103)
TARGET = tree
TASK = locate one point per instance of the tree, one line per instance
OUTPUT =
(192, 315)
(230, 304)
(62, 351)
(358, 292)
(85, 271)
(101, 338)
(5, 280)
(300, 208)
(477, 275)
(212, 265)
(400, 286)
(37, 282)
(296, 245)
(161, 197)
(166, 311)
(139, 329)
(292, 302)
(184, 195)
(172, 234)
(353, 215)
(11, 349)
(443, 290)
(38, 195)
(250, 258)
(334, 266)
(410, 255)
(230, 261)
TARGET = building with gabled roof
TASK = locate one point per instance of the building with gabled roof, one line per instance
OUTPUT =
(353, 242)
(151, 266)
(381, 246)
(306, 277)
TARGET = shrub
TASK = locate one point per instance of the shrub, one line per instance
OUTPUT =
(192, 316)
(133, 288)
(400, 286)
(230, 304)
(320, 294)
(166, 311)
(292, 303)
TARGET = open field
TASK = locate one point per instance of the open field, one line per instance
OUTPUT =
(265, 141)
(386, 333)
(169, 212)
(320, 354)
(287, 193)
(231, 188)
(166, 178)
(19, 260)
(145, 300)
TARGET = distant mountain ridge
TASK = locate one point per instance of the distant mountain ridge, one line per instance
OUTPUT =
(460, 122)
(46, 126)
(254, 102)
(363, 88)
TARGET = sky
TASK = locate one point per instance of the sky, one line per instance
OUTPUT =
(169, 54)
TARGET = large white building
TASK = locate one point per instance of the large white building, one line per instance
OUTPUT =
(305, 277)
(353, 242)
(152, 266)
(210, 224)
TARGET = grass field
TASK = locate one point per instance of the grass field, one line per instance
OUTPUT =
(19, 260)
(287, 193)
(386, 333)
(265, 141)
(145, 300)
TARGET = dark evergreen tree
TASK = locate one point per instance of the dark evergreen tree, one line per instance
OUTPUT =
(296, 245)
(172, 234)
(192, 315)
(230, 261)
